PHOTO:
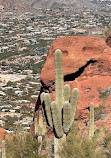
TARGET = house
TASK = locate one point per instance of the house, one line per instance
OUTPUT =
(19, 92)
(2, 93)
(4, 49)
(22, 49)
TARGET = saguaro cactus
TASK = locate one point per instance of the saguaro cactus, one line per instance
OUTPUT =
(3, 149)
(91, 122)
(60, 113)
(40, 130)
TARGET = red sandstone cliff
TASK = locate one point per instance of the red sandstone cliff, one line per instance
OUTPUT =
(86, 65)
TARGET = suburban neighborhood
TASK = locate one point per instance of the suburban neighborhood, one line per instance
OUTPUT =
(24, 44)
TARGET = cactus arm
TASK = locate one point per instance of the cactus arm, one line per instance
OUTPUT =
(66, 92)
(42, 97)
(40, 119)
(47, 100)
(59, 80)
(66, 116)
(36, 126)
(74, 102)
(39, 130)
(44, 130)
(91, 123)
(57, 120)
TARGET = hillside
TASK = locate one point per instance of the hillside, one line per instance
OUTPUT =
(59, 3)
(37, 6)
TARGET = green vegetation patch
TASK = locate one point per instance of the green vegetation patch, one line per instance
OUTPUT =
(76, 146)
(22, 145)
(36, 68)
(105, 92)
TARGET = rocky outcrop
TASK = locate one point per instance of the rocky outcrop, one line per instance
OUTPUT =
(86, 66)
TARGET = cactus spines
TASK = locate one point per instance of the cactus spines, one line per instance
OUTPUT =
(47, 100)
(3, 149)
(91, 122)
(66, 116)
(66, 92)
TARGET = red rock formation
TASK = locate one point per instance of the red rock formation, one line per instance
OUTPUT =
(86, 65)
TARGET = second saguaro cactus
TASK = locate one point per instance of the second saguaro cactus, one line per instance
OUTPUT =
(3, 149)
(91, 122)
(40, 127)
(40, 130)
(60, 113)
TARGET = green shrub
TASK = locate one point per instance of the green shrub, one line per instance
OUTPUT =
(36, 68)
(107, 144)
(99, 113)
(76, 146)
(105, 92)
(22, 146)
(106, 31)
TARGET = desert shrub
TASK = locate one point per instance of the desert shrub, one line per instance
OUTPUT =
(99, 113)
(76, 146)
(36, 68)
(106, 31)
(22, 146)
(107, 144)
(105, 92)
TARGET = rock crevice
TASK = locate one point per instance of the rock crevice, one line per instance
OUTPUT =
(73, 76)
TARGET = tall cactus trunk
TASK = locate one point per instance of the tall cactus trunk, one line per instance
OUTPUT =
(40, 147)
(91, 122)
(58, 145)
(59, 97)
(3, 149)
(40, 130)
(59, 80)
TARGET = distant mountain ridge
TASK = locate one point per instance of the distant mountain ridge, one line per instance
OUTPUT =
(52, 3)
(15, 6)
(21, 6)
